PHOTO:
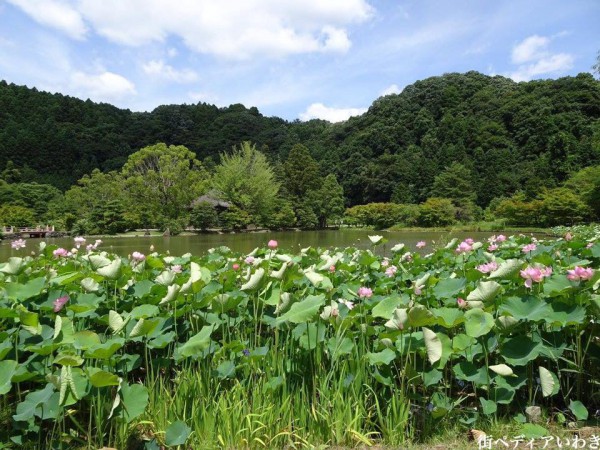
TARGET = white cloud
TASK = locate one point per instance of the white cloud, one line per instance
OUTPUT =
(534, 58)
(159, 69)
(530, 49)
(552, 64)
(105, 86)
(336, 39)
(235, 30)
(392, 89)
(55, 14)
(320, 111)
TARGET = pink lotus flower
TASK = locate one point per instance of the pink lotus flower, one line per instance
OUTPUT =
(589, 245)
(406, 257)
(500, 238)
(528, 248)
(469, 241)
(138, 257)
(391, 271)
(272, 244)
(79, 241)
(236, 266)
(461, 303)
(568, 236)
(60, 302)
(332, 269)
(492, 247)
(487, 268)
(535, 274)
(421, 244)
(177, 268)
(385, 263)
(19, 243)
(365, 292)
(464, 247)
(249, 260)
(417, 289)
(580, 273)
(60, 253)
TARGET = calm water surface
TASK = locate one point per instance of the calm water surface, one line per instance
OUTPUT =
(246, 242)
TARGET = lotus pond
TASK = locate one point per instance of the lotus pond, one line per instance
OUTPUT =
(312, 348)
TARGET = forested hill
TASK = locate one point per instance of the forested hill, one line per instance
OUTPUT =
(508, 135)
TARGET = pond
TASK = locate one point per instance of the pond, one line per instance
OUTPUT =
(246, 242)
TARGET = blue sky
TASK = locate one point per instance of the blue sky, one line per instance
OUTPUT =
(296, 59)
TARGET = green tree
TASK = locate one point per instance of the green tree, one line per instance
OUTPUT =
(517, 210)
(586, 183)
(203, 216)
(163, 181)
(301, 171)
(455, 183)
(437, 212)
(16, 216)
(97, 201)
(561, 206)
(327, 202)
(246, 179)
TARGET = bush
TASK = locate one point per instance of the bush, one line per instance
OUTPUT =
(234, 218)
(16, 216)
(204, 216)
(437, 212)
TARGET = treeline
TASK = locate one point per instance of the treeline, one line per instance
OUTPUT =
(509, 136)
(577, 200)
(168, 188)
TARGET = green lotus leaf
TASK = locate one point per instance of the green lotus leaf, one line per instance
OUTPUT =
(478, 322)
(526, 308)
(520, 350)
(433, 345)
(506, 269)
(112, 270)
(177, 433)
(485, 292)
(385, 357)
(254, 280)
(304, 310)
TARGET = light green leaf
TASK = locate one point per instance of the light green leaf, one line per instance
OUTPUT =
(90, 285)
(485, 292)
(304, 310)
(7, 370)
(177, 433)
(433, 345)
(115, 321)
(547, 381)
(578, 410)
(385, 308)
(502, 369)
(111, 271)
(478, 322)
(399, 319)
(506, 269)
(254, 280)
(197, 343)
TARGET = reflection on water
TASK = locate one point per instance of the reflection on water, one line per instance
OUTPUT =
(246, 242)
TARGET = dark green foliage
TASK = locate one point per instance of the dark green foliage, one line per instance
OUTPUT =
(508, 136)
(234, 218)
(204, 216)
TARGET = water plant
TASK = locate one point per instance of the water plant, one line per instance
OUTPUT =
(272, 349)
